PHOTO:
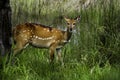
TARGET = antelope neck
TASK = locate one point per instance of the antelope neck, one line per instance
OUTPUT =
(68, 34)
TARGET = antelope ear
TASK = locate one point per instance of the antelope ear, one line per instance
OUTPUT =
(78, 18)
(66, 18)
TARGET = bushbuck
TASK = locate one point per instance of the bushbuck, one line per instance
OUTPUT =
(42, 36)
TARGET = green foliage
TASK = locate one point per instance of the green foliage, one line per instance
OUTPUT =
(92, 54)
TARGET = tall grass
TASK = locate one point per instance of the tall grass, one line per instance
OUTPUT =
(92, 54)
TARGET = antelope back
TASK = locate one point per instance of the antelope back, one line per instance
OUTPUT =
(23, 32)
(37, 35)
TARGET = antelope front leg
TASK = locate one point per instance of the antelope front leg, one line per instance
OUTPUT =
(51, 51)
(59, 56)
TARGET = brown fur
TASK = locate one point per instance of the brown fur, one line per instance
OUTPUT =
(42, 36)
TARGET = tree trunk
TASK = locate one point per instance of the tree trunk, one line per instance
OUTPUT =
(5, 27)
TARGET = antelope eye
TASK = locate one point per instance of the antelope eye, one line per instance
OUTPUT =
(68, 23)
(73, 23)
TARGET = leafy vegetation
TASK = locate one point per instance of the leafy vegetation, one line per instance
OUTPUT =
(92, 54)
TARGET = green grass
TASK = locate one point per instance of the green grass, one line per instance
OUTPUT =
(32, 64)
(92, 54)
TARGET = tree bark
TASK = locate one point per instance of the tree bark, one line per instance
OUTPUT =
(5, 27)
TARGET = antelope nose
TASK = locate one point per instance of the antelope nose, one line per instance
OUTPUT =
(70, 29)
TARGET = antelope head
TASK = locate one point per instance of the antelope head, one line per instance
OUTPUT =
(70, 26)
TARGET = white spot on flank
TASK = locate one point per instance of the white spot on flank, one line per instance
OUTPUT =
(47, 30)
(44, 29)
(40, 38)
(53, 40)
(24, 31)
(23, 36)
(25, 39)
(26, 45)
(36, 36)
